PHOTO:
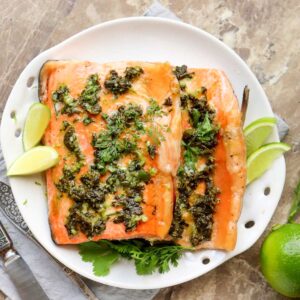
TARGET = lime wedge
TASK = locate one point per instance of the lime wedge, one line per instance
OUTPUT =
(261, 160)
(37, 120)
(35, 160)
(257, 132)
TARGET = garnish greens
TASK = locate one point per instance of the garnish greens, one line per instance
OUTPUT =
(148, 259)
(295, 208)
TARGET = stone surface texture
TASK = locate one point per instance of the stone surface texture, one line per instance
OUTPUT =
(264, 33)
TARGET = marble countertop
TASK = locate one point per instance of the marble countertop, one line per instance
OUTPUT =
(264, 33)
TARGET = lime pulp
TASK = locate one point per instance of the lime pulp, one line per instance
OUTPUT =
(257, 132)
(262, 159)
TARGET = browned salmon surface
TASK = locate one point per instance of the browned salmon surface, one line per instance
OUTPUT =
(155, 85)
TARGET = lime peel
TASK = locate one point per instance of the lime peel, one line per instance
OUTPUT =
(280, 260)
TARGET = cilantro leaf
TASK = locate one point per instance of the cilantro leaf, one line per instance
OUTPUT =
(154, 109)
(200, 140)
(157, 258)
(100, 255)
(147, 259)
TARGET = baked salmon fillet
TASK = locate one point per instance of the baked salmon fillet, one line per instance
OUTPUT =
(211, 179)
(117, 129)
(146, 150)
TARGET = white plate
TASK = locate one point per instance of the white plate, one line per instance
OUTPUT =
(145, 39)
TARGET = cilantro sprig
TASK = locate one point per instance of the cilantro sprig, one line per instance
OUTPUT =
(148, 259)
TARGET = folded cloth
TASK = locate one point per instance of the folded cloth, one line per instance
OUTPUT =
(106, 292)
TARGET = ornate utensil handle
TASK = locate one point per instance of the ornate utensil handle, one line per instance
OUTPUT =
(5, 241)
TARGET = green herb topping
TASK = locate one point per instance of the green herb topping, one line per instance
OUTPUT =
(109, 146)
(87, 120)
(117, 84)
(151, 149)
(62, 95)
(181, 72)
(197, 142)
(89, 98)
(154, 109)
(119, 139)
(71, 141)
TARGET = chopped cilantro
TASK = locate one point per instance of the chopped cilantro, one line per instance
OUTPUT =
(87, 120)
(89, 98)
(154, 109)
(62, 95)
(100, 255)
(151, 149)
(181, 72)
(117, 84)
(147, 259)
(133, 72)
(153, 171)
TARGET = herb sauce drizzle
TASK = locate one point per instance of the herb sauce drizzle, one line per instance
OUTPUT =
(107, 178)
(197, 142)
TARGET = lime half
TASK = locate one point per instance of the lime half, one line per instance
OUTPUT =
(37, 120)
(280, 260)
(35, 160)
(261, 160)
(257, 132)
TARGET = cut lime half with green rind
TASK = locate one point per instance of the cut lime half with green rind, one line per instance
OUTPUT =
(37, 120)
(35, 160)
(262, 159)
(257, 132)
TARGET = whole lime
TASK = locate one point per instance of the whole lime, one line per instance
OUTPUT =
(280, 260)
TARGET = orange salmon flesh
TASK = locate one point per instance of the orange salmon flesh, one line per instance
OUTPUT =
(159, 195)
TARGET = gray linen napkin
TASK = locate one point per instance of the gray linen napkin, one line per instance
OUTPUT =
(106, 292)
